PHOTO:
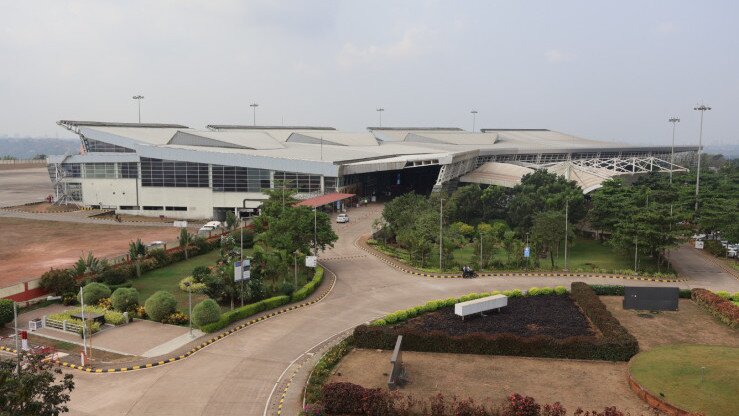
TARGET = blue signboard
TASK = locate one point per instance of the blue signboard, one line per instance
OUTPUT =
(526, 251)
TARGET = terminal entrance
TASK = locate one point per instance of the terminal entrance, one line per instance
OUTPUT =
(389, 184)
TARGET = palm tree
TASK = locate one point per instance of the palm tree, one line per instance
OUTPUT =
(184, 239)
(137, 251)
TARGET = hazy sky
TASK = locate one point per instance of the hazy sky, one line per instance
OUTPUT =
(603, 70)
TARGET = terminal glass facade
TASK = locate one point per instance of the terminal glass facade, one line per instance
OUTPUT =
(170, 173)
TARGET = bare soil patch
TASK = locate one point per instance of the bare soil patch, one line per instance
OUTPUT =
(690, 324)
(554, 316)
(45, 207)
(489, 379)
(31, 247)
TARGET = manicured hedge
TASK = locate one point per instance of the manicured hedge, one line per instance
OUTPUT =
(718, 306)
(616, 344)
(263, 305)
(620, 290)
(310, 287)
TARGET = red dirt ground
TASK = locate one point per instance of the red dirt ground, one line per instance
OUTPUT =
(31, 247)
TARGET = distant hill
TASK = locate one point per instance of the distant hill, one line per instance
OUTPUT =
(730, 151)
(28, 147)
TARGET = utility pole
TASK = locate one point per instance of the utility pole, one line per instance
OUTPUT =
(315, 232)
(480, 250)
(441, 234)
(17, 347)
(139, 98)
(702, 108)
(567, 206)
(84, 339)
(379, 111)
(474, 119)
(636, 252)
(254, 112)
(674, 120)
(241, 253)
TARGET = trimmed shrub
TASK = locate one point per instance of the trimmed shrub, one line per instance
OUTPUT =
(176, 318)
(616, 344)
(310, 287)
(93, 292)
(115, 318)
(534, 291)
(206, 312)
(287, 288)
(6, 311)
(735, 297)
(560, 290)
(161, 257)
(58, 282)
(723, 294)
(125, 299)
(118, 275)
(245, 312)
(343, 399)
(717, 306)
(160, 305)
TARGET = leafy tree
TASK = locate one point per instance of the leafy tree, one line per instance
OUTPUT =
(137, 251)
(401, 211)
(58, 282)
(39, 389)
(294, 230)
(549, 230)
(184, 239)
(464, 230)
(494, 201)
(6, 312)
(231, 221)
(278, 199)
(543, 191)
(466, 201)
(610, 205)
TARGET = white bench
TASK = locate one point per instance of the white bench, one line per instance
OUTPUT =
(480, 305)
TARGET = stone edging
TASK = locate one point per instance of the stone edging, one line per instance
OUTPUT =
(394, 263)
(653, 401)
(90, 369)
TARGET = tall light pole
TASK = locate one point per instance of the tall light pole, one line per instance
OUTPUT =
(254, 112)
(315, 232)
(189, 301)
(379, 111)
(441, 233)
(474, 119)
(567, 218)
(139, 98)
(702, 108)
(674, 120)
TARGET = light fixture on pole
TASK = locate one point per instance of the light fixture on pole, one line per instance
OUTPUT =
(379, 111)
(702, 108)
(474, 119)
(254, 112)
(139, 98)
(189, 301)
(315, 232)
(674, 120)
(567, 223)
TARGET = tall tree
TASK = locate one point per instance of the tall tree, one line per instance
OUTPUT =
(549, 231)
(39, 389)
(543, 191)
(467, 203)
(184, 239)
(137, 251)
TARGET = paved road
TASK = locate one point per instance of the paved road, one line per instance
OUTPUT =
(702, 272)
(237, 375)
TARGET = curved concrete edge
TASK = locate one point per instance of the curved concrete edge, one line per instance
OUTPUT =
(189, 353)
(362, 244)
(653, 401)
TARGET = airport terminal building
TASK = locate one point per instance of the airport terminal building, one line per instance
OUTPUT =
(177, 171)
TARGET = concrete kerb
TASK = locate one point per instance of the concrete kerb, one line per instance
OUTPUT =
(199, 347)
(393, 263)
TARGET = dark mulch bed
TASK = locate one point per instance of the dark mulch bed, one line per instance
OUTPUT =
(555, 316)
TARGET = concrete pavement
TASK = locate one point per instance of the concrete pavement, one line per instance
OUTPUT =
(247, 372)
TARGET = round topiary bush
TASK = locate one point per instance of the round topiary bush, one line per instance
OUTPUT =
(125, 299)
(160, 305)
(93, 292)
(6, 311)
(206, 312)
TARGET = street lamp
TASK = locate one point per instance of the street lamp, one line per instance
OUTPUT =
(702, 108)
(189, 297)
(379, 111)
(139, 98)
(674, 120)
(474, 118)
(254, 112)
(567, 224)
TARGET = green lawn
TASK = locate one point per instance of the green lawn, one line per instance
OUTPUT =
(168, 278)
(584, 254)
(675, 371)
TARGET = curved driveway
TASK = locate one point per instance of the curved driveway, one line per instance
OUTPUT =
(237, 375)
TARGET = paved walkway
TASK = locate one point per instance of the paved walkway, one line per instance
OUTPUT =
(248, 372)
(701, 270)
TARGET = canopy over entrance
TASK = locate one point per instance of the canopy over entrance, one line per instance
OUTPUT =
(323, 199)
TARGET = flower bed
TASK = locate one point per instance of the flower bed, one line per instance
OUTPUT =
(111, 317)
(614, 344)
(720, 307)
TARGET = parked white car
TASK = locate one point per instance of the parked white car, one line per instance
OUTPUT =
(209, 227)
(342, 218)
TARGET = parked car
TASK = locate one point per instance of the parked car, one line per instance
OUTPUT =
(209, 227)
(342, 218)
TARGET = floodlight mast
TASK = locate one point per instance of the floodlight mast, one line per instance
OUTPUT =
(674, 120)
(474, 119)
(254, 112)
(139, 98)
(379, 111)
(702, 108)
